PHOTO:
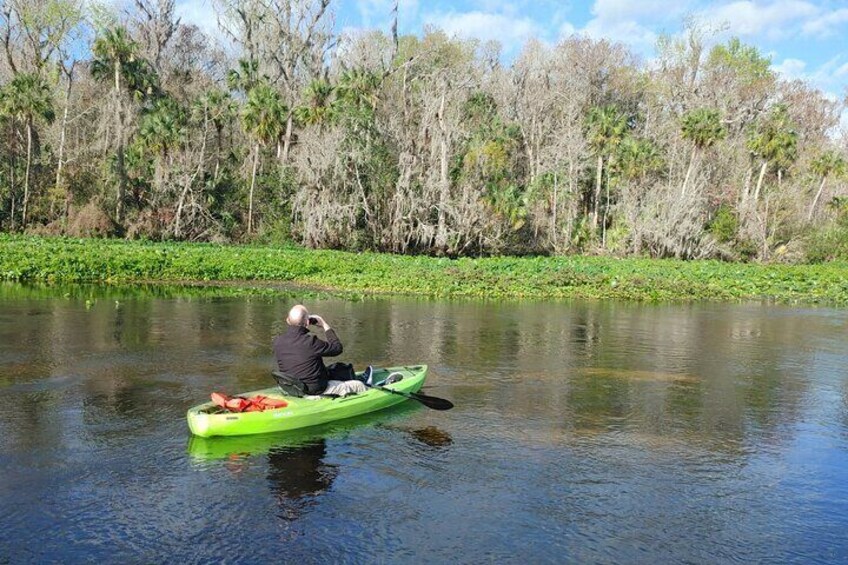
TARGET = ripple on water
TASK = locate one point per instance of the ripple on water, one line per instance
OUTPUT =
(581, 433)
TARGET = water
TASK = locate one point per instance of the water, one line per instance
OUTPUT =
(584, 432)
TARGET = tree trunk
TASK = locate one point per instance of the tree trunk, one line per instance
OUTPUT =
(689, 170)
(61, 161)
(606, 209)
(26, 175)
(252, 184)
(159, 176)
(119, 157)
(218, 144)
(760, 181)
(746, 188)
(598, 182)
(190, 181)
(12, 186)
(122, 189)
(287, 139)
(816, 199)
(554, 214)
(444, 181)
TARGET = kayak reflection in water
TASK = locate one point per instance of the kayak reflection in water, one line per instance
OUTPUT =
(297, 475)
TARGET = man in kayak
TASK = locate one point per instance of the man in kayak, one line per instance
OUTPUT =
(300, 354)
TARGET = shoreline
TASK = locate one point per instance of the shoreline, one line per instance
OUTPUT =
(120, 262)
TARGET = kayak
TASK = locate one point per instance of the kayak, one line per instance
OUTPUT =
(209, 419)
(202, 449)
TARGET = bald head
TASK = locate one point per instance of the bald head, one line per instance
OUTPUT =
(298, 316)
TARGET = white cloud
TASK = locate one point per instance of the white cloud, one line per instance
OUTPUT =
(775, 20)
(511, 32)
(567, 29)
(377, 13)
(829, 77)
(826, 24)
(623, 10)
(625, 21)
(791, 69)
(628, 32)
(200, 13)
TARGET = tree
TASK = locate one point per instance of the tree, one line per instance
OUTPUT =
(703, 128)
(35, 31)
(775, 142)
(828, 164)
(263, 118)
(317, 107)
(638, 158)
(160, 129)
(739, 82)
(246, 76)
(607, 126)
(115, 60)
(27, 99)
(220, 109)
(288, 39)
(155, 25)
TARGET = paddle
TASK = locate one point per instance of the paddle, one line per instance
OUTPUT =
(428, 401)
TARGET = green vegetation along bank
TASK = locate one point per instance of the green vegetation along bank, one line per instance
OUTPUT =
(35, 259)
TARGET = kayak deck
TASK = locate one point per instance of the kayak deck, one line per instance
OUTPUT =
(208, 420)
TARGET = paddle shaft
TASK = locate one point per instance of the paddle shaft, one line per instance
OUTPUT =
(428, 401)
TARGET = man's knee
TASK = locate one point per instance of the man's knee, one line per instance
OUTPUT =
(344, 388)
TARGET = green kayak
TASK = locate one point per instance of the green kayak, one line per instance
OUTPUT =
(208, 420)
(202, 449)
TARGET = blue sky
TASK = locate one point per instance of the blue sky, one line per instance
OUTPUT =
(805, 39)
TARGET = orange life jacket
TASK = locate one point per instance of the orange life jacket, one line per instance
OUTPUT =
(257, 403)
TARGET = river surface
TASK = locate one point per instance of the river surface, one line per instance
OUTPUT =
(582, 432)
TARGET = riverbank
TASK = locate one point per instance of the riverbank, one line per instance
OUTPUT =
(37, 259)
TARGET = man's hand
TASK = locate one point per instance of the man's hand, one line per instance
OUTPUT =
(319, 321)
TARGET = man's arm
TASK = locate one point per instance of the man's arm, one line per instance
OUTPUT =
(331, 347)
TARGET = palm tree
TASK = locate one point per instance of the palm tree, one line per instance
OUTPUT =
(606, 128)
(358, 89)
(638, 158)
(775, 142)
(245, 77)
(115, 60)
(220, 109)
(28, 98)
(160, 130)
(263, 117)
(317, 108)
(703, 128)
(828, 164)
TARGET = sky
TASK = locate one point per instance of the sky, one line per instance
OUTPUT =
(806, 39)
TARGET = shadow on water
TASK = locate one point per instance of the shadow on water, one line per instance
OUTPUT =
(432, 437)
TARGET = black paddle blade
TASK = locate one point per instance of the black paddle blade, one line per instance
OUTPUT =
(432, 401)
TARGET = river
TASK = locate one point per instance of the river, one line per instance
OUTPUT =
(582, 432)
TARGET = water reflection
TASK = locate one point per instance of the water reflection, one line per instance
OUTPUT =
(297, 475)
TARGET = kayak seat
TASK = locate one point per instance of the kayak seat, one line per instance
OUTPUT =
(291, 386)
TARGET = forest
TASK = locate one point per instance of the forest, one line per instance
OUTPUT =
(127, 122)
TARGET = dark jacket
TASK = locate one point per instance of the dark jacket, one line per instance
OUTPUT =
(299, 354)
